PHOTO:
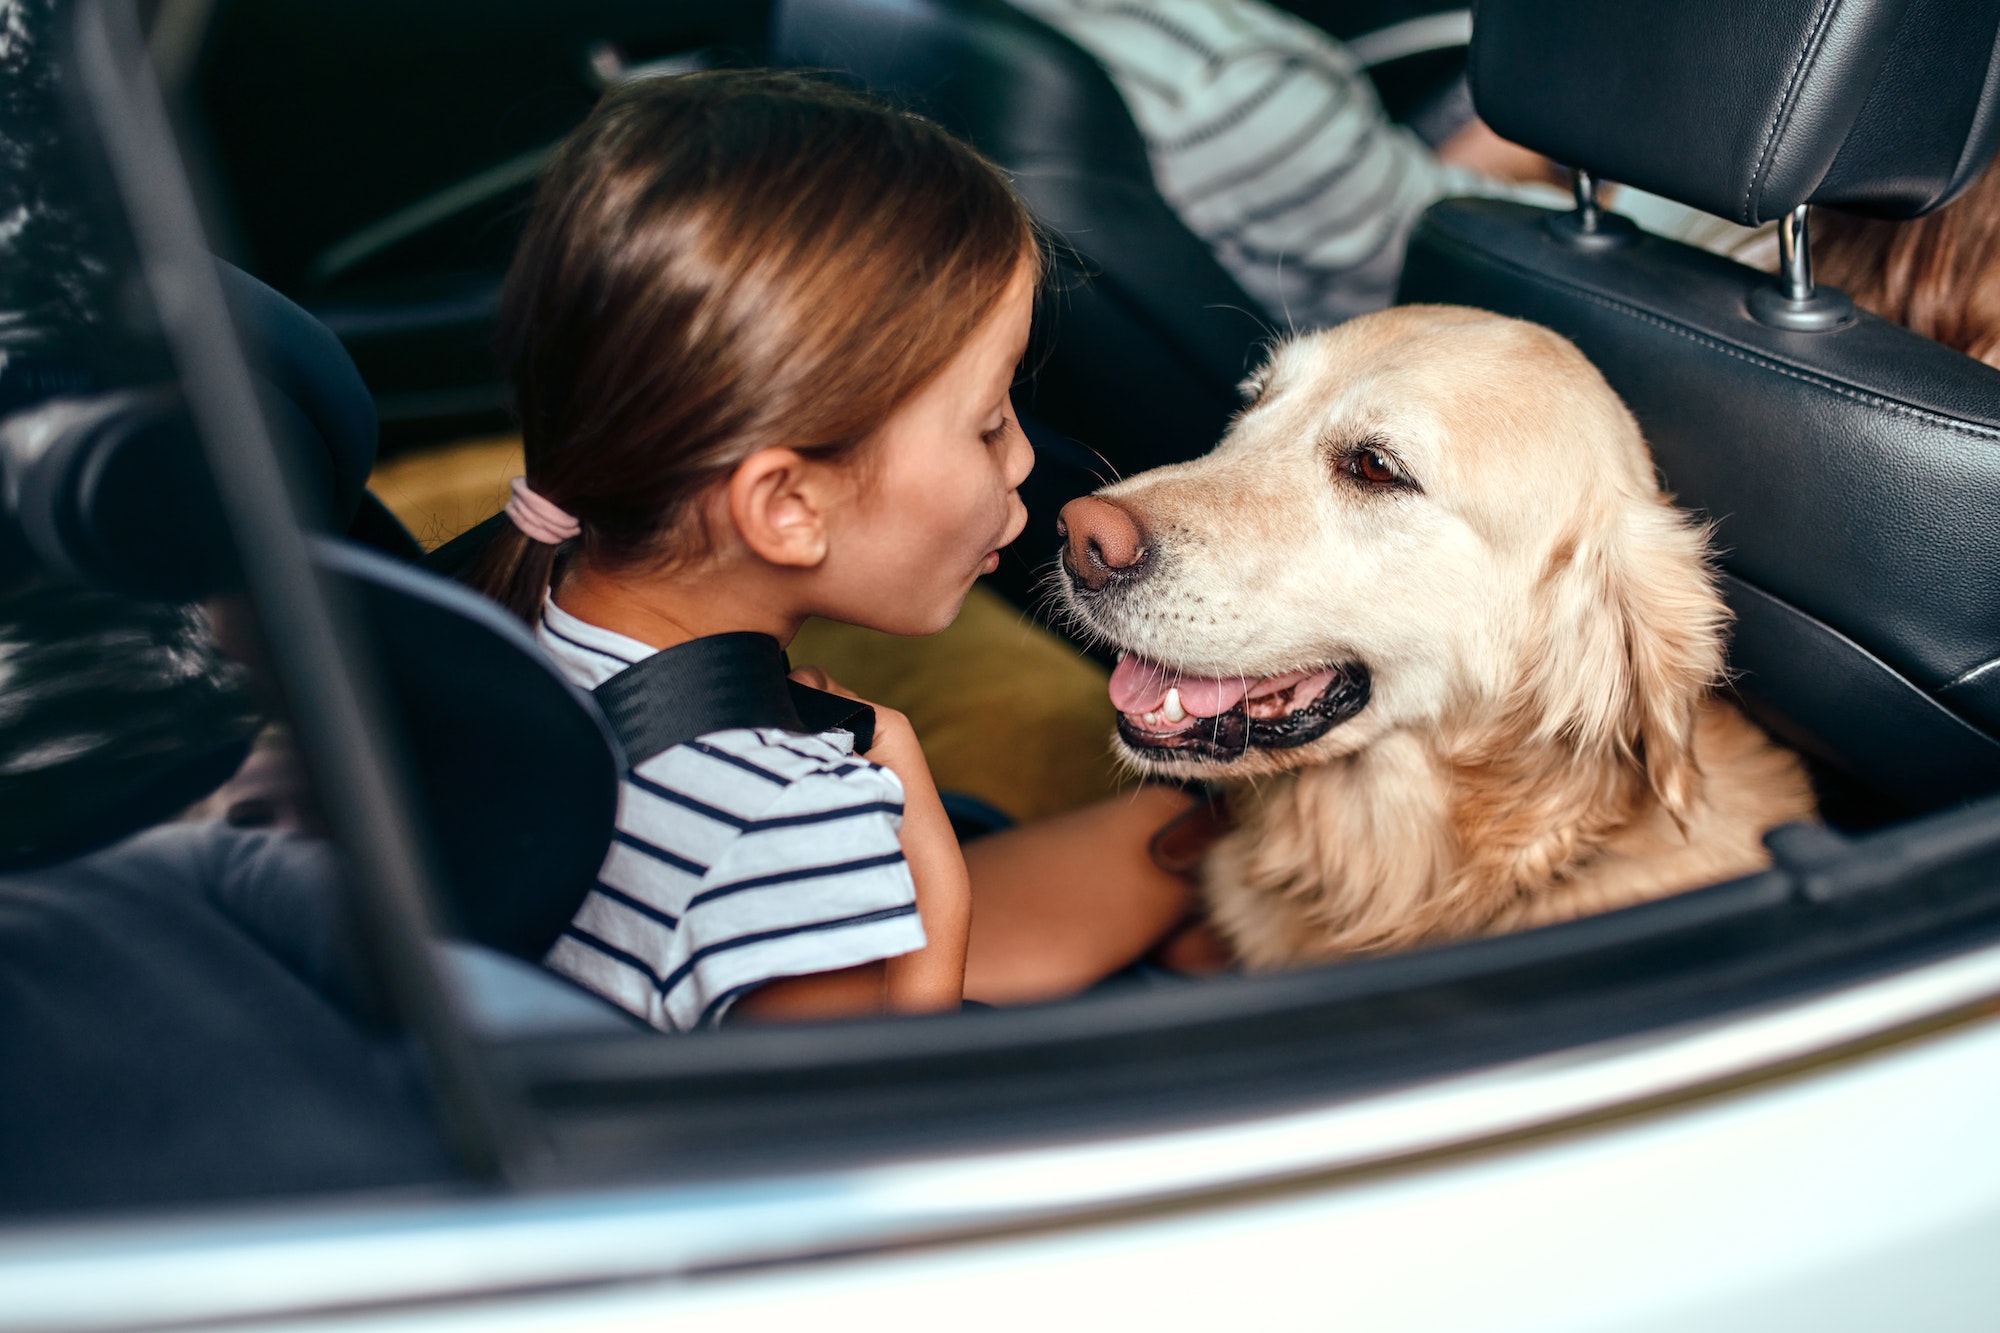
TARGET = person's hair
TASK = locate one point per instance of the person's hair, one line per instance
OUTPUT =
(1938, 275)
(726, 262)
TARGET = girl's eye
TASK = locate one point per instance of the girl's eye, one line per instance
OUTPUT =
(1374, 467)
(998, 433)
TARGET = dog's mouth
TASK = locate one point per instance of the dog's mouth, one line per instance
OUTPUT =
(1166, 715)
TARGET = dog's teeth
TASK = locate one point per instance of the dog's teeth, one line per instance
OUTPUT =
(1173, 712)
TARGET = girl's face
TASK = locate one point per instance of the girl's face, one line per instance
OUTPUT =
(936, 497)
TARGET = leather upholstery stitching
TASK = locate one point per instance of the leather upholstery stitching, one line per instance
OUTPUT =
(1938, 419)
(1783, 114)
(1952, 424)
(1969, 675)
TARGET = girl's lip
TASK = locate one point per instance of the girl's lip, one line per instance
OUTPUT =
(990, 563)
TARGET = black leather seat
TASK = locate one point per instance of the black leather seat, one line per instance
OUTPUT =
(1853, 473)
(1148, 337)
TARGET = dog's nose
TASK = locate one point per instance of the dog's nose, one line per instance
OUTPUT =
(1102, 540)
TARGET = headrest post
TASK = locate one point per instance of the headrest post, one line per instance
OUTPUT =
(1584, 185)
(1795, 256)
(1794, 302)
(1587, 226)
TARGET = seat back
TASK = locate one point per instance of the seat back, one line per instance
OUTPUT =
(1147, 336)
(516, 767)
(1854, 473)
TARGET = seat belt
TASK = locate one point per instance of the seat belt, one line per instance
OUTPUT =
(719, 683)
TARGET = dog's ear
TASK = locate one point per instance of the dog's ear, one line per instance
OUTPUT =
(1633, 637)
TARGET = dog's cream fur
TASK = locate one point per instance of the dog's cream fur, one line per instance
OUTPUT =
(1541, 625)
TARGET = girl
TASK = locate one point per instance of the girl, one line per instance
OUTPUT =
(762, 333)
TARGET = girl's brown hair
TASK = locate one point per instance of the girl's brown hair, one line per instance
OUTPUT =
(726, 262)
(1938, 275)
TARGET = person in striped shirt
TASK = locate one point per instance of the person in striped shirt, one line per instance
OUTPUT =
(1266, 137)
(762, 333)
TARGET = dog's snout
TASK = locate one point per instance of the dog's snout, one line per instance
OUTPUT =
(1102, 540)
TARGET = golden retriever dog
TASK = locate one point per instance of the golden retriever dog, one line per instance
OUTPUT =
(1426, 616)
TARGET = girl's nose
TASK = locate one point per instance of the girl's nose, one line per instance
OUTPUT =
(1020, 457)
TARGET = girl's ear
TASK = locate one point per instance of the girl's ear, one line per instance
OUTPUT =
(777, 504)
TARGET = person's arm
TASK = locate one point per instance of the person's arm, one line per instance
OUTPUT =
(1063, 903)
(847, 993)
(929, 978)
(934, 976)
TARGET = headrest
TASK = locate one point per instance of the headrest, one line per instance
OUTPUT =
(1749, 108)
(515, 767)
(300, 359)
(983, 69)
(109, 485)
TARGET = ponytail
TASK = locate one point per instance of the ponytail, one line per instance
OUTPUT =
(514, 571)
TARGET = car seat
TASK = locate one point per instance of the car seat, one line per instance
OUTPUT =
(106, 498)
(1852, 468)
(515, 766)
(236, 1044)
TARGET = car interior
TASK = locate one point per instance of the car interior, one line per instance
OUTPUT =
(304, 1034)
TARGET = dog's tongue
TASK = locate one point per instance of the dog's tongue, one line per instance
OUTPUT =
(1139, 686)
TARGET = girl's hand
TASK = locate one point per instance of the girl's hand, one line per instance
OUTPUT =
(934, 976)
(895, 747)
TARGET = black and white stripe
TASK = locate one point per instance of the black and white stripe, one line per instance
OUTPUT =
(1267, 138)
(739, 858)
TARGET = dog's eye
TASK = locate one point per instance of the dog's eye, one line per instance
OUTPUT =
(1373, 466)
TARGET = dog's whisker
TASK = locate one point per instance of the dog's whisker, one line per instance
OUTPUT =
(1284, 302)
(1109, 466)
(1259, 320)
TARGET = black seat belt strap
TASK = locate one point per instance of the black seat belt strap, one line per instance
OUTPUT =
(718, 683)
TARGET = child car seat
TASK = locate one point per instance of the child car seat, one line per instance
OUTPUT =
(516, 767)
(1852, 468)
(104, 487)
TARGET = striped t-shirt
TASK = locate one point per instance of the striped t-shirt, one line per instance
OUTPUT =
(740, 857)
(1265, 135)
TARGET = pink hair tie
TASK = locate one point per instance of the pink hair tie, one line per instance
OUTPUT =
(542, 520)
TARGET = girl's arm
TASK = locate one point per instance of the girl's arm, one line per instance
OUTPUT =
(934, 976)
(848, 993)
